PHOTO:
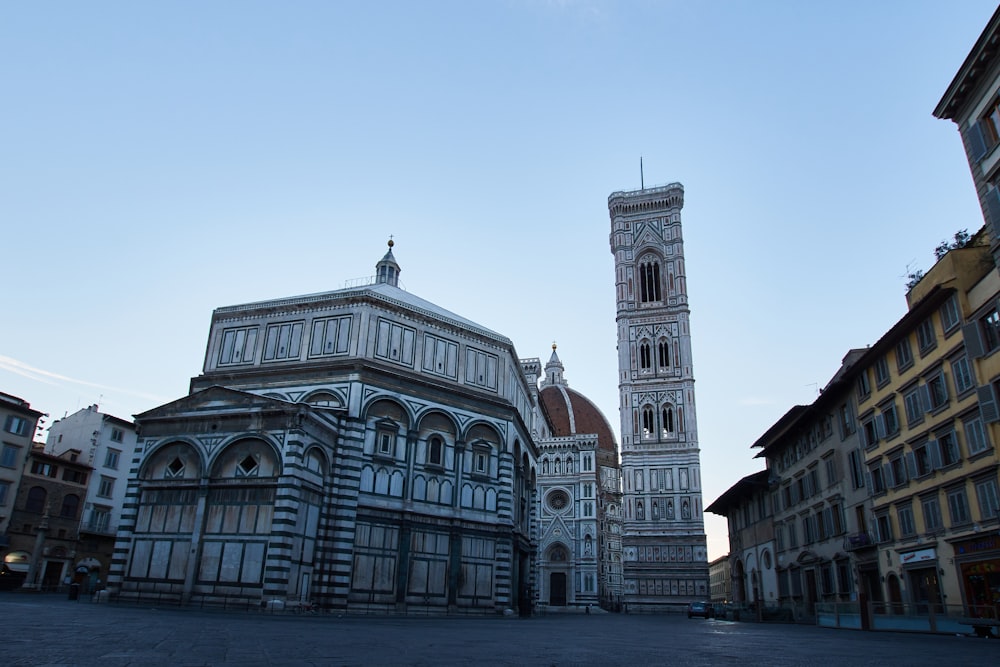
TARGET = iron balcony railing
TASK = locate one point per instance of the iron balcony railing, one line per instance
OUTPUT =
(98, 528)
(857, 541)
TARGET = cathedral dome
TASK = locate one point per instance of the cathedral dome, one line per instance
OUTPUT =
(570, 413)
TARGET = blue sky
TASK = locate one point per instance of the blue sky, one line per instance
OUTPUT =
(158, 160)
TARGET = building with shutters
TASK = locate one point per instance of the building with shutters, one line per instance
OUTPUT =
(972, 101)
(885, 489)
(821, 508)
(18, 422)
(747, 506)
(927, 421)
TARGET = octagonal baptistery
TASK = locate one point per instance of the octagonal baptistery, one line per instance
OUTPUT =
(580, 488)
(360, 449)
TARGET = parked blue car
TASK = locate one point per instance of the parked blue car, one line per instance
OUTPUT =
(700, 609)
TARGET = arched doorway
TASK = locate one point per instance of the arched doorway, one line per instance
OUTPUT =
(557, 589)
(87, 573)
(558, 565)
(740, 588)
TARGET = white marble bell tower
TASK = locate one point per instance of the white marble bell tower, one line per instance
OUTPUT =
(665, 561)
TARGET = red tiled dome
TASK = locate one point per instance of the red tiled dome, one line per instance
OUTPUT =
(571, 413)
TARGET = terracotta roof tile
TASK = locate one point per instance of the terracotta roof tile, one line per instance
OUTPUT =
(587, 418)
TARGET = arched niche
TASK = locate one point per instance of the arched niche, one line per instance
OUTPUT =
(385, 408)
(323, 399)
(315, 460)
(249, 457)
(174, 460)
(438, 422)
(484, 433)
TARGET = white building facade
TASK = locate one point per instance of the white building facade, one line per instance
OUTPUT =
(361, 449)
(106, 443)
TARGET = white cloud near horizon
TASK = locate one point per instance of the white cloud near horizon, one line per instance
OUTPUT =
(55, 379)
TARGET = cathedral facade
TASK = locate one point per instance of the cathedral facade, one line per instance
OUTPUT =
(365, 450)
(663, 545)
(579, 492)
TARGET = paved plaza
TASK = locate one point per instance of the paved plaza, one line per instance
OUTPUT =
(41, 629)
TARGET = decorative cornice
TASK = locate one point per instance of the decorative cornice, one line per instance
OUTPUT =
(364, 293)
(647, 199)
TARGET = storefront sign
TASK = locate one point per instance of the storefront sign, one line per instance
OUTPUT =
(917, 556)
(975, 545)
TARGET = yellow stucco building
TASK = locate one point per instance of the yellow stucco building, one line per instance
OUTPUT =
(927, 416)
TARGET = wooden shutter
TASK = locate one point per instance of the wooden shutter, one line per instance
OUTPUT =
(925, 397)
(973, 339)
(976, 141)
(992, 200)
(987, 403)
(934, 449)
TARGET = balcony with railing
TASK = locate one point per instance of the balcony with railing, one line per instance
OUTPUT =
(97, 528)
(859, 541)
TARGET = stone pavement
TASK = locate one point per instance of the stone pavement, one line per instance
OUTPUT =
(41, 629)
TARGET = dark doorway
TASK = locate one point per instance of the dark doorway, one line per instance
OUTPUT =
(523, 590)
(557, 589)
(740, 594)
(811, 591)
(870, 584)
(925, 591)
(50, 578)
(895, 594)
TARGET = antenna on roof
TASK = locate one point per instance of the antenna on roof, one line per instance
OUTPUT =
(642, 178)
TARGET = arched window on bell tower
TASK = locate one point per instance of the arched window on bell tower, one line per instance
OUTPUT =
(649, 281)
(668, 420)
(663, 353)
(648, 421)
(645, 358)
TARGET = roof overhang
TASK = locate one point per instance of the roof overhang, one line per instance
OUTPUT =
(972, 71)
(741, 490)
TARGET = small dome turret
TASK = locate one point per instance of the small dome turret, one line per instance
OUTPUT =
(387, 270)
(554, 369)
